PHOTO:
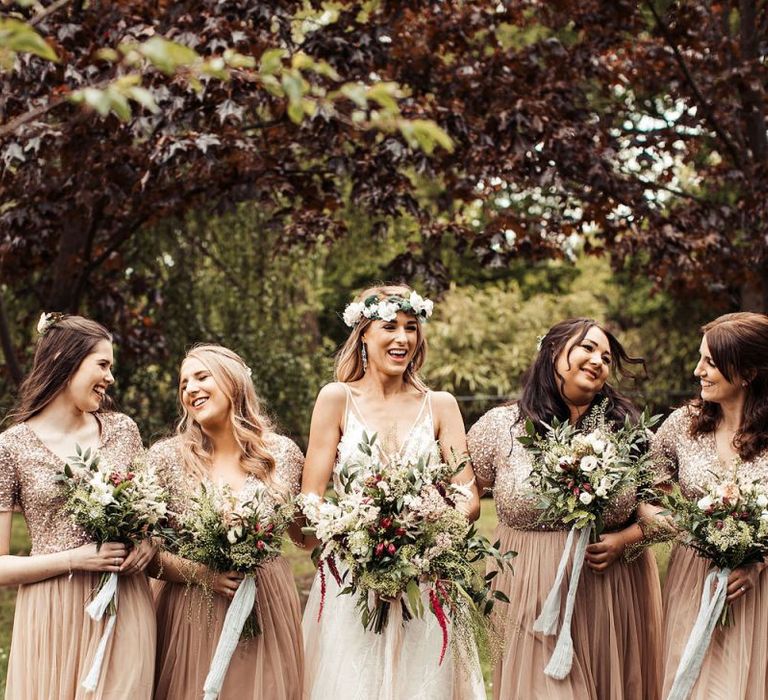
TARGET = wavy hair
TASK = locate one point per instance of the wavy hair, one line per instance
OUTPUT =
(738, 345)
(59, 353)
(349, 359)
(250, 425)
(543, 386)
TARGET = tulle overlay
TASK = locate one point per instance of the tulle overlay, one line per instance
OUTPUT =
(54, 641)
(345, 662)
(616, 625)
(266, 667)
(736, 664)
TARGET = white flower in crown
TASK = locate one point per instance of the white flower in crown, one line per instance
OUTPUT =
(420, 305)
(353, 314)
(47, 319)
(387, 310)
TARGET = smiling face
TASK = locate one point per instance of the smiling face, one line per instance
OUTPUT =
(583, 367)
(88, 385)
(391, 345)
(202, 398)
(715, 388)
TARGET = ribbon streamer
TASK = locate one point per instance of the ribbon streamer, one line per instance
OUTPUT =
(239, 610)
(561, 661)
(710, 608)
(96, 609)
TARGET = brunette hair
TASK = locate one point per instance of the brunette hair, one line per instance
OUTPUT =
(59, 353)
(349, 359)
(738, 345)
(250, 425)
(542, 397)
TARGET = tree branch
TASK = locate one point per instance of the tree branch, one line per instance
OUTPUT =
(48, 11)
(703, 103)
(11, 126)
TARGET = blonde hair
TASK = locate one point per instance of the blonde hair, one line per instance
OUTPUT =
(249, 424)
(349, 359)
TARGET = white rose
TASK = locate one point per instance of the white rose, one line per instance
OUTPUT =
(42, 324)
(596, 443)
(589, 463)
(387, 311)
(371, 310)
(586, 498)
(705, 503)
(420, 305)
(762, 500)
(234, 534)
(353, 313)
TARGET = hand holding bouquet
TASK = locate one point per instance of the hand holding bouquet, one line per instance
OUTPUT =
(226, 534)
(577, 473)
(394, 529)
(111, 505)
(729, 526)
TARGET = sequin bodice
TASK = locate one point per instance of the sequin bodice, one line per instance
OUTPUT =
(181, 487)
(499, 458)
(693, 460)
(28, 479)
(420, 440)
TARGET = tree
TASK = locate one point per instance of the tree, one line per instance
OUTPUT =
(636, 127)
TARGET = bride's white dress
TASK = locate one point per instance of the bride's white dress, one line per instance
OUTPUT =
(343, 661)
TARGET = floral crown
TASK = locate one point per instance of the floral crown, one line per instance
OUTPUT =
(48, 320)
(375, 308)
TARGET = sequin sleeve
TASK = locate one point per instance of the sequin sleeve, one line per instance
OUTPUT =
(664, 456)
(289, 462)
(483, 443)
(9, 483)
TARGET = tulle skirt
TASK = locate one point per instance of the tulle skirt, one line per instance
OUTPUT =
(54, 641)
(616, 625)
(268, 666)
(736, 664)
(346, 662)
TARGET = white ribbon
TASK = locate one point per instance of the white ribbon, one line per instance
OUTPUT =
(234, 621)
(710, 608)
(96, 609)
(560, 663)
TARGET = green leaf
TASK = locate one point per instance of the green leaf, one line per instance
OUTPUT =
(355, 92)
(415, 602)
(168, 56)
(271, 61)
(20, 37)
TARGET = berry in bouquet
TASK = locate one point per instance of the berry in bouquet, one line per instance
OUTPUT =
(728, 525)
(393, 533)
(228, 534)
(578, 472)
(112, 504)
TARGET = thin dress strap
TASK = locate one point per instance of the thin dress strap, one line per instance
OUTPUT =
(348, 392)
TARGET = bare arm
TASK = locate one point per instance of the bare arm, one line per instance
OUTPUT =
(16, 570)
(324, 436)
(453, 443)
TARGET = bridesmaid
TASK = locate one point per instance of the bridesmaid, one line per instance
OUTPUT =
(378, 390)
(617, 620)
(63, 403)
(726, 428)
(223, 438)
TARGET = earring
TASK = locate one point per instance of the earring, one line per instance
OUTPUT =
(365, 359)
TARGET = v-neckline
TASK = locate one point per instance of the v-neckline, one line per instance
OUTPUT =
(361, 419)
(59, 458)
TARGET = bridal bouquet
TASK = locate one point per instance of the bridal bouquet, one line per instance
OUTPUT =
(112, 505)
(226, 534)
(394, 530)
(729, 526)
(577, 472)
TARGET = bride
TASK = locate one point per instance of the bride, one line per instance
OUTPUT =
(378, 390)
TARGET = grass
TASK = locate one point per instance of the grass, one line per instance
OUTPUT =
(301, 564)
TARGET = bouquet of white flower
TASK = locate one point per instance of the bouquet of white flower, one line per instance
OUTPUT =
(729, 526)
(577, 472)
(228, 534)
(392, 531)
(111, 504)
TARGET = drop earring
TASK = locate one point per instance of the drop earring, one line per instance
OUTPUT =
(365, 359)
